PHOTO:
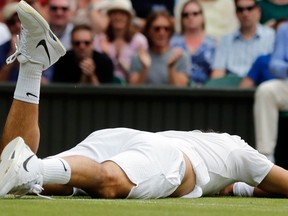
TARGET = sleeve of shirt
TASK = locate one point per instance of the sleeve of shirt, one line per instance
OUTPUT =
(221, 53)
(279, 61)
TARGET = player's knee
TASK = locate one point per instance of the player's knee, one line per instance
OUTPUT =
(113, 184)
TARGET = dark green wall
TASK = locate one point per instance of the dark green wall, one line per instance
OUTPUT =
(69, 113)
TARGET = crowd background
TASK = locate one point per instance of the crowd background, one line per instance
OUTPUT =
(171, 42)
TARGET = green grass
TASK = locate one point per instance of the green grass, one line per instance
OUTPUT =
(230, 206)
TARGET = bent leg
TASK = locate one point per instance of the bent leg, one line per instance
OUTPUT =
(22, 121)
(99, 180)
(276, 182)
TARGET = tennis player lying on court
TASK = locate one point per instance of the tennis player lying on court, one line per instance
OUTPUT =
(119, 162)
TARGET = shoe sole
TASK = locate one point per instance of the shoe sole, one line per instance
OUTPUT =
(9, 159)
(23, 7)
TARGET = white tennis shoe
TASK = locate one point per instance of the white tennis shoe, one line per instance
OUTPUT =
(36, 42)
(20, 170)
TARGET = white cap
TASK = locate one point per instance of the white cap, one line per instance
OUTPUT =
(124, 5)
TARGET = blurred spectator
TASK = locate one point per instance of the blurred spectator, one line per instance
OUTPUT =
(145, 7)
(237, 51)
(194, 41)
(82, 64)
(259, 72)
(60, 14)
(98, 17)
(272, 96)
(162, 64)
(220, 17)
(40, 6)
(273, 10)
(5, 33)
(120, 42)
(9, 72)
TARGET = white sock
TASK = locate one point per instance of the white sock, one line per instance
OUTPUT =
(28, 83)
(56, 171)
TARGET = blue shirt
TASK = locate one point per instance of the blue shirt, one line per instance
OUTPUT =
(201, 60)
(259, 71)
(279, 60)
(236, 54)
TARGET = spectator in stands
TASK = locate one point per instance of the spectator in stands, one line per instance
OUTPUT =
(161, 64)
(120, 42)
(60, 16)
(40, 6)
(82, 64)
(98, 17)
(273, 10)
(145, 7)
(60, 13)
(9, 72)
(272, 96)
(259, 72)
(194, 41)
(220, 17)
(237, 51)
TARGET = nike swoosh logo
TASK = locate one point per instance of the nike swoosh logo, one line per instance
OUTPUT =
(26, 162)
(30, 94)
(43, 43)
(65, 169)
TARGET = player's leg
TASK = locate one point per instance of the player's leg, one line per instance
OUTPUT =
(37, 49)
(22, 172)
(99, 180)
(22, 121)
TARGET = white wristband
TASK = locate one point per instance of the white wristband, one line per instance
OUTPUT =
(242, 189)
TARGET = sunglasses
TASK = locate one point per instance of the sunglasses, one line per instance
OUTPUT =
(242, 9)
(78, 43)
(55, 8)
(193, 14)
(159, 28)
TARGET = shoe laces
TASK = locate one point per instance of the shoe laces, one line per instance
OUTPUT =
(20, 45)
(28, 188)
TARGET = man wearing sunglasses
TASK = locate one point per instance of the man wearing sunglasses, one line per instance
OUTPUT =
(60, 14)
(238, 50)
(82, 64)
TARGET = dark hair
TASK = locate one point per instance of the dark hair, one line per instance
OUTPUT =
(82, 27)
(151, 18)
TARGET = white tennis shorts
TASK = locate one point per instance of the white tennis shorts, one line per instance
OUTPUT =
(150, 161)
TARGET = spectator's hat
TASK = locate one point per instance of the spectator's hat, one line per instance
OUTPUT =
(9, 10)
(124, 5)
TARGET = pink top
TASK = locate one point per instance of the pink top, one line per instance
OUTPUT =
(138, 42)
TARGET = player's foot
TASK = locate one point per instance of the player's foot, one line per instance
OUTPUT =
(20, 170)
(36, 42)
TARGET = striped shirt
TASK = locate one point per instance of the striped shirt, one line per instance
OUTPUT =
(236, 54)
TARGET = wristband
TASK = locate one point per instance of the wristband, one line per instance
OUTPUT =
(242, 189)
